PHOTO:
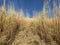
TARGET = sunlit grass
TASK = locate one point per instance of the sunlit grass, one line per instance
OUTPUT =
(16, 29)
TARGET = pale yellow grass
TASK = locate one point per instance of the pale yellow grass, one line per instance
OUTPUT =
(16, 29)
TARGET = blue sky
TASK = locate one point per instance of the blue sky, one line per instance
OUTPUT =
(28, 5)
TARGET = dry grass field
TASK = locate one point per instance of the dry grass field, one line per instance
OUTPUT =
(16, 29)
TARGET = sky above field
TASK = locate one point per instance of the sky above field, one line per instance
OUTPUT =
(28, 5)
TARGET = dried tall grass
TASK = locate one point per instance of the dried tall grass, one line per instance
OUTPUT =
(18, 30)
